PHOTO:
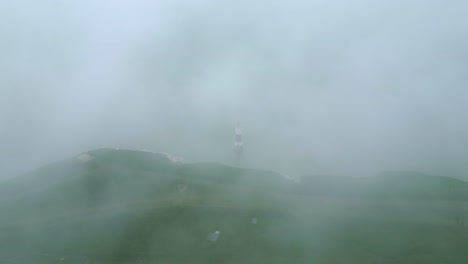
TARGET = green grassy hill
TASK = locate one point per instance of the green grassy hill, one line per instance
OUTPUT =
(126, 206)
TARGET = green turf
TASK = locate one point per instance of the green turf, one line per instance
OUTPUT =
(139, 207)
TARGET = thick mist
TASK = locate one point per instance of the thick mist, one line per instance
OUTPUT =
(348, 87)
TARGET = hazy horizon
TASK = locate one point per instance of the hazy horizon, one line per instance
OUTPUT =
(336, 87)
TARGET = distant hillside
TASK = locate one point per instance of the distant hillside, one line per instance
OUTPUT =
(388, 185)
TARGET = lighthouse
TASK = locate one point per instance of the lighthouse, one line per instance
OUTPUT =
(238, 143)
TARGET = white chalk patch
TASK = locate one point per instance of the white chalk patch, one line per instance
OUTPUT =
(254, 221)
(213, 237)
(85, 157)
(296, 180)
(172, 157)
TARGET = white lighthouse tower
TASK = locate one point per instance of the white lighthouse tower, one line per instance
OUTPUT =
(238, 143)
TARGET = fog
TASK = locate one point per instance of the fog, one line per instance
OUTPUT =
(335, 87)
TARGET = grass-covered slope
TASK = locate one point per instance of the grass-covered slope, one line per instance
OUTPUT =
(403, 185)
(125, 206)
(124, 179)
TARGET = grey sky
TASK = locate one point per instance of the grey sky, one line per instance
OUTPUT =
(349, 87)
